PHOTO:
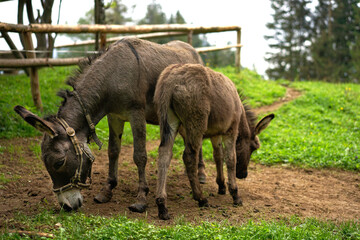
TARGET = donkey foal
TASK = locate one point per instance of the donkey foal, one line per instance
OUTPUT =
(204, 104)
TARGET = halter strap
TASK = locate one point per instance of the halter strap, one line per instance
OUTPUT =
(89, 121)
(79, 149)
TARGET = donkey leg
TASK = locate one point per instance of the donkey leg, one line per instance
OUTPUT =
(138, 128)
(116, 127)
(165, 155)
(201, 166)
(218, 158)
(191, 160)
(230, 159)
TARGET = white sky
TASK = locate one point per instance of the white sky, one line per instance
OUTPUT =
(250, 15)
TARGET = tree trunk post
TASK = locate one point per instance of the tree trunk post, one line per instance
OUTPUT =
(100, 37)
(189, 39)
(34, 76)
(238, 51)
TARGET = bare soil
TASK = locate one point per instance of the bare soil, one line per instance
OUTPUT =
(269, 192)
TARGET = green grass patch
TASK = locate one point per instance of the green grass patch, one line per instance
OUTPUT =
(319, 129)
(80, 226)
(6, 178)
(259, 92)
(15, 90)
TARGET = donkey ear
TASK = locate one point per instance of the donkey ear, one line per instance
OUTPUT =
(263, 123)
(35, 121)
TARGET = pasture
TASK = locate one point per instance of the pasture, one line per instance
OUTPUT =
(303, 182)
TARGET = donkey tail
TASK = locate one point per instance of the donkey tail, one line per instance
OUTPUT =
(162, 98)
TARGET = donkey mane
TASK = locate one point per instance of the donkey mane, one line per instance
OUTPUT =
(82, 67)
(250, 114)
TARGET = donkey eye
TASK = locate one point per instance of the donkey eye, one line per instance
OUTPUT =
(58, 164)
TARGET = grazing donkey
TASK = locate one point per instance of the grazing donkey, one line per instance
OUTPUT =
(204, 104)
(119, 83)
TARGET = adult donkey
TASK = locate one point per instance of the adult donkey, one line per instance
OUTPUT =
(204, 103)
(119, 83)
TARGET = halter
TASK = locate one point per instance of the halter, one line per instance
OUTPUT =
(75, 181)
(80, 150)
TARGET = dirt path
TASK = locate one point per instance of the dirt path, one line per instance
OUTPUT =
(290, 95)
(268, 192)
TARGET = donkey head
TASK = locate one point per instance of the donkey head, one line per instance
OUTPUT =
(246, 145)
(67, 161)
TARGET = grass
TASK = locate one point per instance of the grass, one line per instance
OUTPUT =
(321, 129)
(258, 92)
(15, 90)
(80, 226)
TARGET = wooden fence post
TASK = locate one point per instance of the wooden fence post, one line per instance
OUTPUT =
(190, 35)
(34, 76)
(238, 51)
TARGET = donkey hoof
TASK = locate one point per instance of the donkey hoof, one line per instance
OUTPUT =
(103, 196)
(138, 207)
(164, 215)
(204, 203)
(202, 179)
(238, 202)
(222, 191)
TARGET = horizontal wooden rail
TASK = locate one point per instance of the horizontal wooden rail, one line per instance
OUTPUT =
(38, 62)
(42, 62)
(114, 39)
(95, 28)
(211, 49)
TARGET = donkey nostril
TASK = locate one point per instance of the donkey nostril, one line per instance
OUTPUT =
(79, 203)
(66, 207)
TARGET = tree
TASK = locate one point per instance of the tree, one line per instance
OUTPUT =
(335, 49)
(290, 40)
(115, 13)
(355, 47)
(323, 44)
(45, 41)
(154, 15)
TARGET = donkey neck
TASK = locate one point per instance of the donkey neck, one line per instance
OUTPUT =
(72, 112)
(247, 123)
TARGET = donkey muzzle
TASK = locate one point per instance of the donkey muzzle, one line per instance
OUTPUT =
(241, 175)
(70, 200)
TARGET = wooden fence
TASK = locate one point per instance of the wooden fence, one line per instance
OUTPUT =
(144, 31)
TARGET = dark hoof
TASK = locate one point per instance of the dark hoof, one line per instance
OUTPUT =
(222, 191)
(138, 207)
(238, 202)
(103, 196)
(162, 210)
(164, 215)
(202, 179)
(204, 203)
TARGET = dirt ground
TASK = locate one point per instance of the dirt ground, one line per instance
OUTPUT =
(268, 192)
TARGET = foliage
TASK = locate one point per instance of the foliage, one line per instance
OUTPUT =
(315, 43)
(79, 226)
(292, 32)
(319, 129)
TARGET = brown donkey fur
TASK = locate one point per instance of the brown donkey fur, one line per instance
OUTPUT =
(203, 104)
